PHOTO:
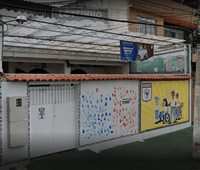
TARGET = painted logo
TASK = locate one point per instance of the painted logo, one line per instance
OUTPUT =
(146, 92)
(41, 112)
(126, 101)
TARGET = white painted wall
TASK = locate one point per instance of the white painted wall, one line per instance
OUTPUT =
(103, 114)
(101, 142)
(67, 69)
(60, 131)
(11, 89)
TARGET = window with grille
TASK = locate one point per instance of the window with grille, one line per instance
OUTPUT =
(173, 33)
(146, 29)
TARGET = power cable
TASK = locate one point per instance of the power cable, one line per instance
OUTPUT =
(59, 2)
(162, 13)
(91, 34)
(97, 8)
(165, 5)
(118, 34)
(101, 18)
(60, 46)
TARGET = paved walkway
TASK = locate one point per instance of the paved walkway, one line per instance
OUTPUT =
(172, 151)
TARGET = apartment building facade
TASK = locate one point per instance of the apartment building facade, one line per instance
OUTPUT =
(170, 14)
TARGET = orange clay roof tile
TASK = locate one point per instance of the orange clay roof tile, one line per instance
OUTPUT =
(86, 77)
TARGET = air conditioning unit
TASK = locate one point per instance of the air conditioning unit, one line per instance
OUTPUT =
(17, 121)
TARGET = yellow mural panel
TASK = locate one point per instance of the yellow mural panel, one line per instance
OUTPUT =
(163, 103)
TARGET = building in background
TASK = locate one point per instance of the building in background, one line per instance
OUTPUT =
(109, 9)
(103, 111)
(64, 44)
(173, 13)
(79, 63)
(167, 13)
(34, 7)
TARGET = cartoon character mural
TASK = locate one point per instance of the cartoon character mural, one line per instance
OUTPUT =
(164, 115)
(155, 114)
(168, 63)
(180, 63)
(157, 110)
(177, 107)
(172, 104)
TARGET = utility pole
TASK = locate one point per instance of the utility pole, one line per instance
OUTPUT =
(1, 45)
(196, 126)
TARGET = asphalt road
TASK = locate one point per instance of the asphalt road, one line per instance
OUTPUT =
(171, 151)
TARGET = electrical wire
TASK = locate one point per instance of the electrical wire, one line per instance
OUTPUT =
(97, 8)
(59, 2)
(123, 21)
(164, 5)
(102, 18)
(99, 30)
(153, 9)
(54, 12)
(60, 46)
(192, 6)
(178, 15)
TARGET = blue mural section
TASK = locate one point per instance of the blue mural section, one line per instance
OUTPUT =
(95, 117)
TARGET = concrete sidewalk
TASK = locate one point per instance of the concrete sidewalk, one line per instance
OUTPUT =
(171, 151)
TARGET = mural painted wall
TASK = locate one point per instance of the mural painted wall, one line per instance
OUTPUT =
(109, 109)
(163, 103)
(170, 62)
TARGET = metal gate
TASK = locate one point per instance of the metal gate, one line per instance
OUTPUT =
(51, 94)
(52, 119)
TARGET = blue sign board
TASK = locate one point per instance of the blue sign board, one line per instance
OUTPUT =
(128, 51)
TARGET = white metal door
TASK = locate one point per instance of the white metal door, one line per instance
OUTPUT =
(41, 136)
(56, 130)
(64, 126)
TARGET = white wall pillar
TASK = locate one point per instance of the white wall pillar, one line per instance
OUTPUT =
(125, 68)
(67, 69)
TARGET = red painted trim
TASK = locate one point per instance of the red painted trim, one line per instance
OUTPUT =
(170, 20)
